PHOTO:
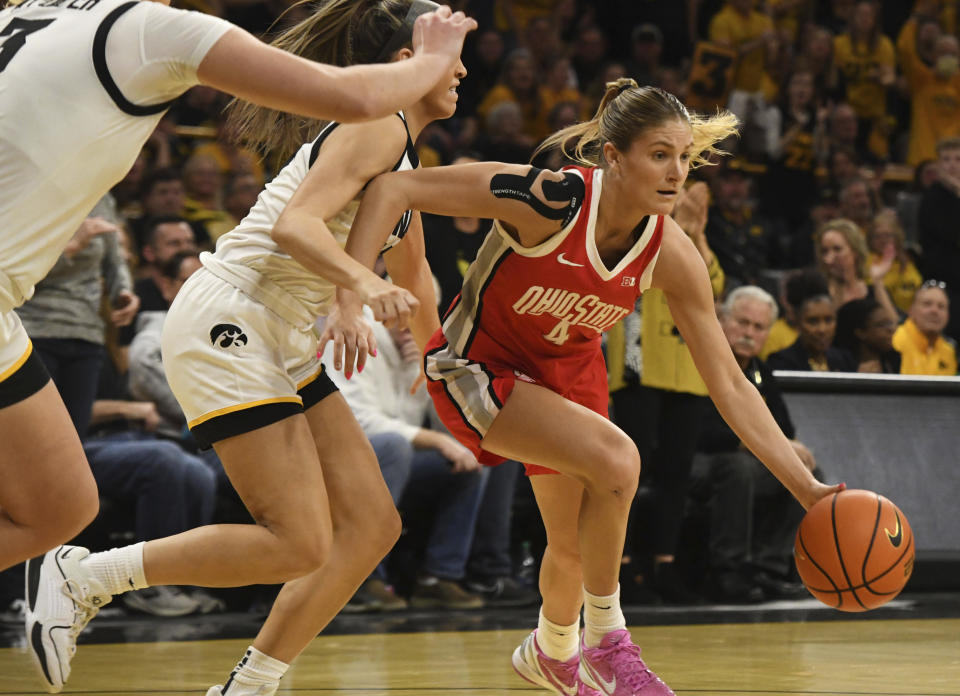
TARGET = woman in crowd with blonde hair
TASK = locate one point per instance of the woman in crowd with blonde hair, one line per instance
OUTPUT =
(903, 279)
(516, 371)
(844, 259)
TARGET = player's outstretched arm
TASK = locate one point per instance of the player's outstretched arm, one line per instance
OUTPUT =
(245, 67)
(682, 275)
(529, 202)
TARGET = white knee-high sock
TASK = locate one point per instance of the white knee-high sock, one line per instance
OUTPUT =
(118, 570)
(558, 642)
(601, 615)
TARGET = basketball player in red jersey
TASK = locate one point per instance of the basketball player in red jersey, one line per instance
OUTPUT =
(516, 371)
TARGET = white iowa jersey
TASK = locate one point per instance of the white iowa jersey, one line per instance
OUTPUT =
(83, 83)
(248, 258)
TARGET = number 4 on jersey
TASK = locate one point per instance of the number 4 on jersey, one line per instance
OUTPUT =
(14, 36)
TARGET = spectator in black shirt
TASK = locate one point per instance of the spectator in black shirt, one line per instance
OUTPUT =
(752, 517)
(452, 244)
(813, 350)
(866, 330)
(939, 230)
(745, 242)
(165, 237)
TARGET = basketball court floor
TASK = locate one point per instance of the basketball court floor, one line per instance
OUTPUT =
(911, 647)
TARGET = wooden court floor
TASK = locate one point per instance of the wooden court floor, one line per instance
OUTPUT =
(913, 657)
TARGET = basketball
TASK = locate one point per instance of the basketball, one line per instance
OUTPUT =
(854, 550)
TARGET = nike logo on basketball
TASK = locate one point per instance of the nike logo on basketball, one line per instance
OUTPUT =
(226, 335)
(895, 537)
(568, 263)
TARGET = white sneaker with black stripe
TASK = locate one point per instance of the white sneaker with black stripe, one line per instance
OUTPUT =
(61, 599)
(236, 689)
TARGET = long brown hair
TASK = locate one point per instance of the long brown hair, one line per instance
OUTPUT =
(854, 238)
(626, 111)
(337, 32)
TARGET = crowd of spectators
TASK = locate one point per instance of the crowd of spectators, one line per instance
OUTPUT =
(841, 198)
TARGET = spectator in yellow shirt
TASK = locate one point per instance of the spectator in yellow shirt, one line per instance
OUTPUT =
(934, 95)
(518, 83)
(920, 340)
(751, 34)
(867, 61)
(903, 278)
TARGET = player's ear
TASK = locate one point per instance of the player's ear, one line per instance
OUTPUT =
(611, 154)
(402, 54)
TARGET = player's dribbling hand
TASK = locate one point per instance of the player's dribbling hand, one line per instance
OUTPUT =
(391, 305)
(352, 338)
(442, 32)
(816, 491)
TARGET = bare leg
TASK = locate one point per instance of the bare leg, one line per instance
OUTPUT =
(365, 523)
(48, 495)
(277, 473)
(561, 577)
(538, 426)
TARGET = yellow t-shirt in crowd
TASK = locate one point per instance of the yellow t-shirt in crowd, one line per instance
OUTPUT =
(901, 282)
(858, 63)
(934, 113)
(781, 336)
(667, 363)
(934, 101)
(523, 11)
(534, 117)
(730, 27)
(242, 160)
(918, 357)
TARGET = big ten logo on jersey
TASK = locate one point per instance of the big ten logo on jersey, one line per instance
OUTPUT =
(711, 76)
(570, 309)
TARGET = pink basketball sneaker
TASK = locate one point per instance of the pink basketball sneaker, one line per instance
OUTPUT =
(559, 677)
(614, 668)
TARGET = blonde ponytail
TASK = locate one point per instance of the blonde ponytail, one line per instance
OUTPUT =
(627, 110)
(708, 133)
(587, 134)
(337, 32)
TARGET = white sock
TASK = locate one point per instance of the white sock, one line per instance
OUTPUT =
(558, 642)
(118, 570)
(601, 615)
(255, 669)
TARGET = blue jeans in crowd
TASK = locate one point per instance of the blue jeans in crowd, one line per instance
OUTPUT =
(171, 490)
(423, 478)
(490, 557)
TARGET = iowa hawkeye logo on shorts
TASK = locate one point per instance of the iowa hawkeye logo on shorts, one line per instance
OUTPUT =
(226, 335)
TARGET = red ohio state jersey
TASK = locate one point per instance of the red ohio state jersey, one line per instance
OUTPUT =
(541, 310)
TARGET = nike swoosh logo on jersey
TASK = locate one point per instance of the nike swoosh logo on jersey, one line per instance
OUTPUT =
(568, 263)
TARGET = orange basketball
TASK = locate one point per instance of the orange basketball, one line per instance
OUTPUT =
(854, 550)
